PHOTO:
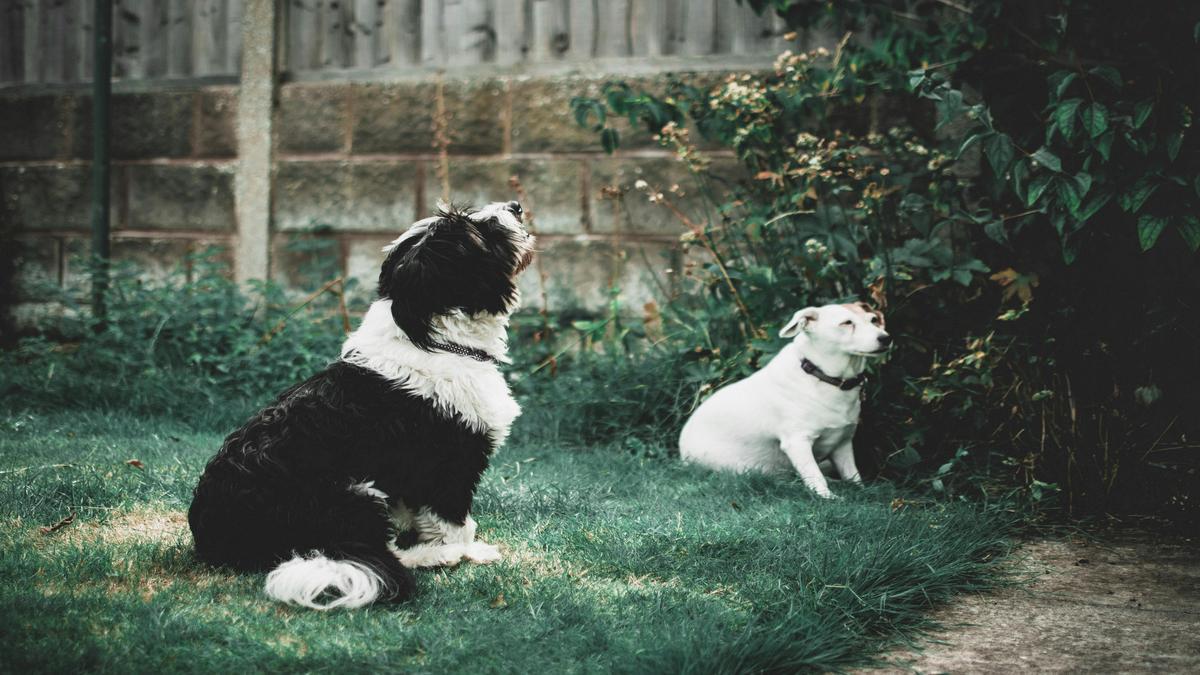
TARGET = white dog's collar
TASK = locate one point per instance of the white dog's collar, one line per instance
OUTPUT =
(845, 384)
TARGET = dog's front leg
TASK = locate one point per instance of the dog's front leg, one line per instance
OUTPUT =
(444, 542)
(843, 461)
(799, 449)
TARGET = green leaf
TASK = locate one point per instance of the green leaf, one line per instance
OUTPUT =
(1141, 112)
(1091, 206)
(1068, 195)
(1037, 187)
(1149, 228)
(584, 108)
(1070, 249)
(610, 139)
(1064, 116)
(1174, 142)
(1104, 145)
(1020, 178)
(971, 140)
(1060, 80)
(1189, 229)
(999, 151)
(1133, 199)
(1047, 159)
(1095, 119)
(1083, 183)
(1108, 74)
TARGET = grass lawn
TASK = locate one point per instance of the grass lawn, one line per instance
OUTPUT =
(612, 562)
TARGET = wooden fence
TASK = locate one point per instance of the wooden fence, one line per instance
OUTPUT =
(49, 41)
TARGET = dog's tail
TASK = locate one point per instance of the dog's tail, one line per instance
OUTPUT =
(340, 579)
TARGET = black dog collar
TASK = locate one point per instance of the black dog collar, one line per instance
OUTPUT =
(845, 384)
(472, 352)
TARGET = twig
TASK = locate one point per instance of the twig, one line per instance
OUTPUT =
(59, 525)
(441, 138)
(269, 335)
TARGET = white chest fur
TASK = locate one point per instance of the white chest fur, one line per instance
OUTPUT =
(473, 391)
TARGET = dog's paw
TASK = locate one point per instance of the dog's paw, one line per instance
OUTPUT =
(482, 553)
(432, 555)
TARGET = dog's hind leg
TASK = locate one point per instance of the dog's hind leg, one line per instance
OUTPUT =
(443, 542)
(799, 450)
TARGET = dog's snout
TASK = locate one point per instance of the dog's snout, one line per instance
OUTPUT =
(515, 207)
(885, 339)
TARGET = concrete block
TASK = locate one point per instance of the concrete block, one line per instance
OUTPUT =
(303, 262)
(46, 197)
(152, 259)
(399, 117)
(542, 119)
(312, 118)
(216, 135)
(36, 269)
(144, 125)
(617, 204)
(580, 272)
(363, 259)
(35, 127)
(375, 196)
(193, 197)
(554, 189)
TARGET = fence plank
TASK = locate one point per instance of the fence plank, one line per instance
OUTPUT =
(12, 42)
(233, 37)
(433, 48)
(152, 35)
(53, 48)
(209, 37)
(612, 28)
(549, 34)
(363, 31)
(582, 29)
(748, 32)
(648, 26)
(31, 30)
(699, 27)
(179, 38)
(335, 15)
(83, 37)
(126, 27)
(302, 39)
(402, 24)
(511, 38)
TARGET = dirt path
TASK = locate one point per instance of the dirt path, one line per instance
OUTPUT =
(1128, 603)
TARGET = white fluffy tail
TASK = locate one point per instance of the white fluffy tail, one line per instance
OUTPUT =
(301, 581)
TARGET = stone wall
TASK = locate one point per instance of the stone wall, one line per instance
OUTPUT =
(354, 164)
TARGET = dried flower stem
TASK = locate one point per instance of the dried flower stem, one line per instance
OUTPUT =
(441, 137)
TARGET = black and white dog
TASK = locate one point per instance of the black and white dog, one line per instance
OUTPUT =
(390, 440)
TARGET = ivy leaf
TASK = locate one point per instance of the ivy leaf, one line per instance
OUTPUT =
(1083, 183)
(1047, 159)
(1174, 142)
(999, 151)
(1095, 119)
(1149, 228)
(1189, 229)
(1064, 116)
(971, 140)
(1020, 178)
(610, 139)
(1036, 188)
(1064, 79)
(1141, 113)
(1131, 201)
(583, 108)
(1104, 145)
(1108, 74)
(996, 231)
(1090, 207)
(1068, 196)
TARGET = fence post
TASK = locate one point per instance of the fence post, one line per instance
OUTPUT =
(252, 184)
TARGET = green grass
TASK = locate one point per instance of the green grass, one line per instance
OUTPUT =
(613, 562)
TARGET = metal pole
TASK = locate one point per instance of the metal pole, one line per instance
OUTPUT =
(101, 88)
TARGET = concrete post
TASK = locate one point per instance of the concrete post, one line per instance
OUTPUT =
(256, 97)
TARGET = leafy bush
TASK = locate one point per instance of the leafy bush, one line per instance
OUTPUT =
(193, 346)
(1041, 291)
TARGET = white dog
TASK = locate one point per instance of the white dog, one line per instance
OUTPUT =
(799, 410)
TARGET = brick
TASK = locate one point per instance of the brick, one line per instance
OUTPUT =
(35, 265)
(216, 124)
(554, 189)
(193, 197)
(312, 118)
(579, 273)
(636, 213)
(46, 197)
(35, 127)
(542, 119)
(375, 196)
(143, 125)
(398, 117)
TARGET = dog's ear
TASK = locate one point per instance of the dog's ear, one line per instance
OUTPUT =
(800, 321)
(413, 286)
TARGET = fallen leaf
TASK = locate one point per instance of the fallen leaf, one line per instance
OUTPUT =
(59, 525)
(499, 602)
(135, 463)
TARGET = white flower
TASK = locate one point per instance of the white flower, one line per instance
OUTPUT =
(641, 184)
